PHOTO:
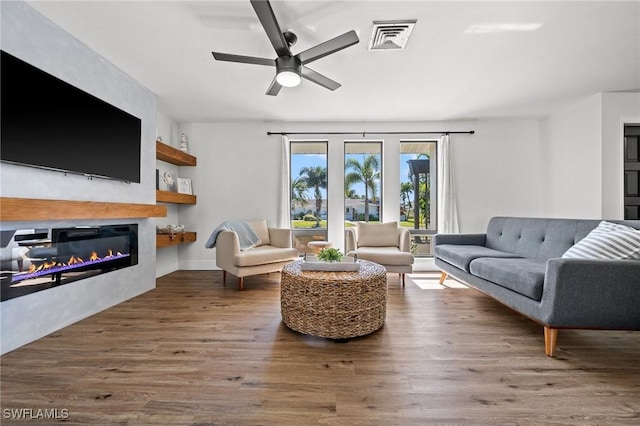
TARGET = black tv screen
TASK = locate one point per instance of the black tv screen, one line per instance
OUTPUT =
(51, 124)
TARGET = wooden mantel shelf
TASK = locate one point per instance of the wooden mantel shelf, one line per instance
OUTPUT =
(24, 209)
(172, 155)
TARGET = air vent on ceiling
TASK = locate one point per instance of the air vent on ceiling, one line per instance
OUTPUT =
(391, 35)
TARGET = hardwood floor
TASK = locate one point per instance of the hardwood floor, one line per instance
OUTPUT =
(193, 351)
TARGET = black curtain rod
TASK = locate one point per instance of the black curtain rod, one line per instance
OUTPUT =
(468, 132)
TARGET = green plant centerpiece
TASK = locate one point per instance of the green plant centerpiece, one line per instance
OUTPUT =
(330, 255)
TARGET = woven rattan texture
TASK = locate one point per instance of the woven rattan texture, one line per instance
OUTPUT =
(335, 305)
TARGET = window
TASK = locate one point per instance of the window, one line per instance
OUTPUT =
(418, 198)
(362, 182)
(308, 192)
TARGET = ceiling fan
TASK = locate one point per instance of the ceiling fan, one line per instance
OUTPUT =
(290, 69)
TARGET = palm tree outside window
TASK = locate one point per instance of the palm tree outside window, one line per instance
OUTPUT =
(362, 182)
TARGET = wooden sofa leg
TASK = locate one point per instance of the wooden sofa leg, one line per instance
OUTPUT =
(240, 283)
(443, 277)
(402, 275)
(550, 340)
(224, 277)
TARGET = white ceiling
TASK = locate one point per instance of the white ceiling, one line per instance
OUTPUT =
(579, 49)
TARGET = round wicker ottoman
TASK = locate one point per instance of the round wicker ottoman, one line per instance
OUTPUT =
(334, 305)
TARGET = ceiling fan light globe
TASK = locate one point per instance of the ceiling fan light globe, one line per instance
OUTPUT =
(288, 78)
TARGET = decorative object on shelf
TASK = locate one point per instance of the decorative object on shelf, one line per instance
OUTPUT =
(158, 138)
(166, 182)
(183, 143)
(170, 229)
(184, 186)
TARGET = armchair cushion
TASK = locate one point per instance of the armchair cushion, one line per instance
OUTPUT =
(262, 229)
(377, 234)
(390, 256)
(263, 255)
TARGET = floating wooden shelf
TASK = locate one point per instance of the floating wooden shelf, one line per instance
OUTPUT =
(24, 209)
(172, 155)
(175, 197)
(166, 240)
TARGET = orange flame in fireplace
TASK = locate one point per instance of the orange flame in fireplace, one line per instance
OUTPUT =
(73, 260)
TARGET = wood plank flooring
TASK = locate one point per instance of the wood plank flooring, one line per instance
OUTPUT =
(195, 352)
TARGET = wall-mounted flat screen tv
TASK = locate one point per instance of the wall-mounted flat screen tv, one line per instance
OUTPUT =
(48, 123)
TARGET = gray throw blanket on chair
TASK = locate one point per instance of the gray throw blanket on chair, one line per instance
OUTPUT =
(246, 235)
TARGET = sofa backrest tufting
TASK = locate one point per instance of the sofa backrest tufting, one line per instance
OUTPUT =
(540, 238)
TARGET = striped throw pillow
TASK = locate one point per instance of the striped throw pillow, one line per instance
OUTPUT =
(607, 241)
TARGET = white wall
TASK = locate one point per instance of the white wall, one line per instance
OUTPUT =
(238, 173)
(571, 161)
(31, 37)
(581, 156)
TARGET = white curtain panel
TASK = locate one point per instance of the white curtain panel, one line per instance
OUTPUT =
(285, 196)
(447, 206)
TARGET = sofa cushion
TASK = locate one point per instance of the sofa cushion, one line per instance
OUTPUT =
(607, 241)
(262, 229)
(462, 255)
(391, 256)
(377, 234)
(264, 254)
(524, 276)
(536, 238)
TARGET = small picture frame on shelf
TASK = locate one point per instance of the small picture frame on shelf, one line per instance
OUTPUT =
(184, 186)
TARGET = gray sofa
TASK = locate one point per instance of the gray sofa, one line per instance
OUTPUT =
(519, 262)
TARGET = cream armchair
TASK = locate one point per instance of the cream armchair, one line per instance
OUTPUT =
(273, 252)
(386, 244)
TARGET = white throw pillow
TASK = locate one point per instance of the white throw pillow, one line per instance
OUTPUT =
(262, 229)
(607, 241)
(378, 234)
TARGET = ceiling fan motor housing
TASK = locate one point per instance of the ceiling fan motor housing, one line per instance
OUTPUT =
(288, 63)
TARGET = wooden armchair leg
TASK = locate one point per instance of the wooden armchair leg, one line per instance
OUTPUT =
(443, 277)
(240, 283)
(402, 276)
(550, 340)
(224, 277)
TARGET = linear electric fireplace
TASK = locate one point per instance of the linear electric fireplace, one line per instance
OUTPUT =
(39, 259)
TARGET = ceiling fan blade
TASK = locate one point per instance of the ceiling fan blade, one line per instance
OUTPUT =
(320, 79)
(270, 24)
(328, 47)
(274, 88)
(243, 59)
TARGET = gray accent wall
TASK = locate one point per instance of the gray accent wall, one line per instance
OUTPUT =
(33, 38)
